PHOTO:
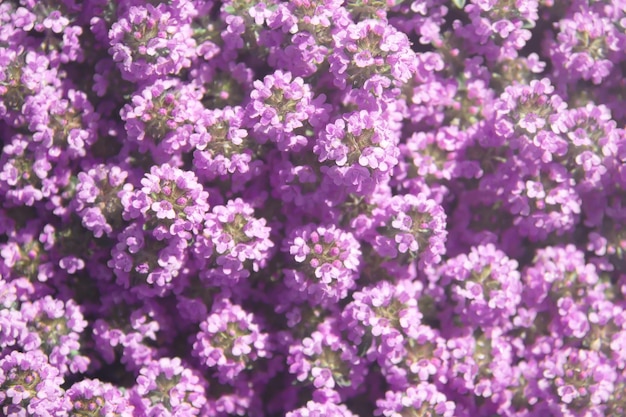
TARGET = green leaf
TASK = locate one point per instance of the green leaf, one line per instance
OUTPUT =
(459, 3)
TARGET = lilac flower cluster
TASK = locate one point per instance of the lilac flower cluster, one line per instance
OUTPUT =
(313, 208)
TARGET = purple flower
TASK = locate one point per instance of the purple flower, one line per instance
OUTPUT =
(369, 48)
(55, 328)
(13, 326)
(147, 42)
(410, 227)
(607, 333)
(541, 197)
(128, 331)
(484, 287)
(98, 199)
(94, 397)
(576, 379)
(327, 361)
(168, 388)
(149, 266)
(498, 31)
(235, 241)
(171, 201)
(428, 158)
(25, 173)
(29, 385)
(280, 107)
(329, 259)
(381, 313)
(584, 46)
(563, 284)
(313, 408)
(363, 150)
(63, 126)
(591, 145)
(161, 117)
(230, 341)
(224, 149)
(25, 254)
(25, 74)
(481, 365)
(422, 398)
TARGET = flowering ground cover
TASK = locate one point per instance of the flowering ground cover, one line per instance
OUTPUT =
(313, 208)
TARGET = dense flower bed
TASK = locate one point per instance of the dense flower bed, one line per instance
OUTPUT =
(313, 208)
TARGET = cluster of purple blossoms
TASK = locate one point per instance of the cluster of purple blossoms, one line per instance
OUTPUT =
(325, 263)
(312, 208)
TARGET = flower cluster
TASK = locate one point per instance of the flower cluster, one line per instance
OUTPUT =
(312, 208)
(326, 263)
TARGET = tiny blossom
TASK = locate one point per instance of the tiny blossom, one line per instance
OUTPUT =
(240, 242)
(424, 19)
(50, 19)
(29, 385)
(55, 328)
(246, 28)
(25, 255)
(329, 259)
(94, 397)
(363, 150)
(167, 388)
(484, 286)
(280, 106)
(65, 126)
(423, 399)
(522, 110)
(161, 117)
(145, 264)
(425, 358)
(563, 284)
(308, 27)
(25, 74)
(205, 31)
(229, 341)
(13, 326)
(576, 379)
(297, 181)
(172, 202)
(410, 227)
(224, 150)
(382, 312)
(591, 143)
(583, 47)
(427, 158)
(129, 331)
(26, 172)
(147, 42)
(303, 55)
(314, 409)
(607, 332)
(498, 30)
(540, 196)
(368, 48)
(481, 365)
(98, 199)
(327, 361)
